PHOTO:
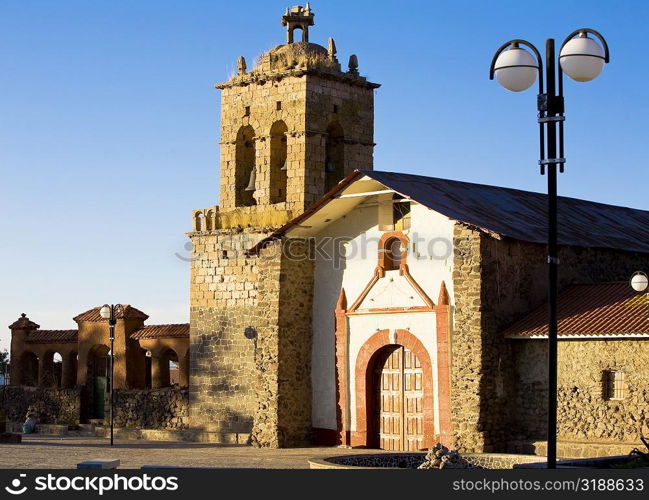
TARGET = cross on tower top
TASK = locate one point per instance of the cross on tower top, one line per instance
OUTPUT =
(298, 18)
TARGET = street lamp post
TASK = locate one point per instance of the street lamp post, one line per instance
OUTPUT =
(109, 312)
(516, 69)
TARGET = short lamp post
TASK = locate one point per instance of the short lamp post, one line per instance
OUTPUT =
(109, 312)
(516, 69)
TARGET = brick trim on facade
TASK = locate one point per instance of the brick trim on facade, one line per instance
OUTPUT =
(443, 317)
(342, 375)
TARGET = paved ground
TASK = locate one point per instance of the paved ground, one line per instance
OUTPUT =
(42, 452)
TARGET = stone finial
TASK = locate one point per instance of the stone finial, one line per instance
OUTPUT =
(23, 323)
(241, 65)
(353, 64)
(298, 18)
(331, 49)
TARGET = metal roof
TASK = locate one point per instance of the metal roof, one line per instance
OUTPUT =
(606, 310)
(511, 213)
(522, 215)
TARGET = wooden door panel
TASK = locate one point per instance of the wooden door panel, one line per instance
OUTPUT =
(400, 401)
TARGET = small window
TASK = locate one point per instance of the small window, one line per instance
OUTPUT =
(401, 214)
(614, 385)
(246, 111)
(392, 257)
(278, 105)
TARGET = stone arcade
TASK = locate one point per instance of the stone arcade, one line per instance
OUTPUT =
(332, 304)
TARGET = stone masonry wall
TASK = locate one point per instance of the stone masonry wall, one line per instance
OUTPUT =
(51, 406)
(497, 281)
(466, 342)
(223, 304)
(283, 357)
(165, 409)
(583, 412)
(307, 104)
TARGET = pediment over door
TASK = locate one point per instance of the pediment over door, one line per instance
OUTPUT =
(392, 291)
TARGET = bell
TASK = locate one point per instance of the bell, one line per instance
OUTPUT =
(329, 167)
(251, 183)
(284, 167)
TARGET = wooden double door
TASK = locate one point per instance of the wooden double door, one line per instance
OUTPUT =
(399, 398)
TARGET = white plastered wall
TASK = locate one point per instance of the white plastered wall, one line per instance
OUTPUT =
(430, 261)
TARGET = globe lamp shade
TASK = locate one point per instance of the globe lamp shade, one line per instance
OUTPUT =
(104, 312)
(582, 59)
(516, 69)
(640, 282)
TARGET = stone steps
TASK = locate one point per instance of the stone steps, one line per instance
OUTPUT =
(81, 430)
(188, 435)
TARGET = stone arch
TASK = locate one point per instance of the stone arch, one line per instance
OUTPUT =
(28, 372)
(209, 220)
(364, 390)
(162, 359)
(245, 163)
(334, 155)
(98, 379)
(278, 159)
(69, 369)
(51, 369)
(198, 221)
(291, 33)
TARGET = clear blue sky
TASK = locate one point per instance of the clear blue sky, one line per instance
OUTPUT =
(109, 125)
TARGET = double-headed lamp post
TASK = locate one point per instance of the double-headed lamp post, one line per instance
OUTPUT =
(109, 312)
(516, 69)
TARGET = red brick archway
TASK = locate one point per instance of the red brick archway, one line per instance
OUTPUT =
(363, 435)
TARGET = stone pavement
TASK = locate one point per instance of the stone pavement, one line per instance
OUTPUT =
(46, 452)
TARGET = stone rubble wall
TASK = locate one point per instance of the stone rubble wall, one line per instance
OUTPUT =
(164, 409)
(283, 355)
(50, 405)
(583, 412)
(466, 342)
(496, 282)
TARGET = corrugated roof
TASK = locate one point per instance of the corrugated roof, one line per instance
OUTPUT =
(162, 331)
(521, 215)
(125, 312)
(52, 336)
(597, 310)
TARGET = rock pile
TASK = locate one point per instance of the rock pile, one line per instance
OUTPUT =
(440, 457)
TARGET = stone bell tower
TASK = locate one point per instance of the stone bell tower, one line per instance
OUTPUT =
(292, 127)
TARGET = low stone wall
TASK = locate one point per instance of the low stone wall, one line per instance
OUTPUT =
(166, 408)
(576, 449)
(414, 460)
(51, 406)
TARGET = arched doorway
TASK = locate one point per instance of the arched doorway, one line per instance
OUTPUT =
(398, 400)
(28, 369)
(394, 393)
(98, 381)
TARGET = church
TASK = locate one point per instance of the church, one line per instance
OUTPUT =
(338, 305)
(332, 304)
